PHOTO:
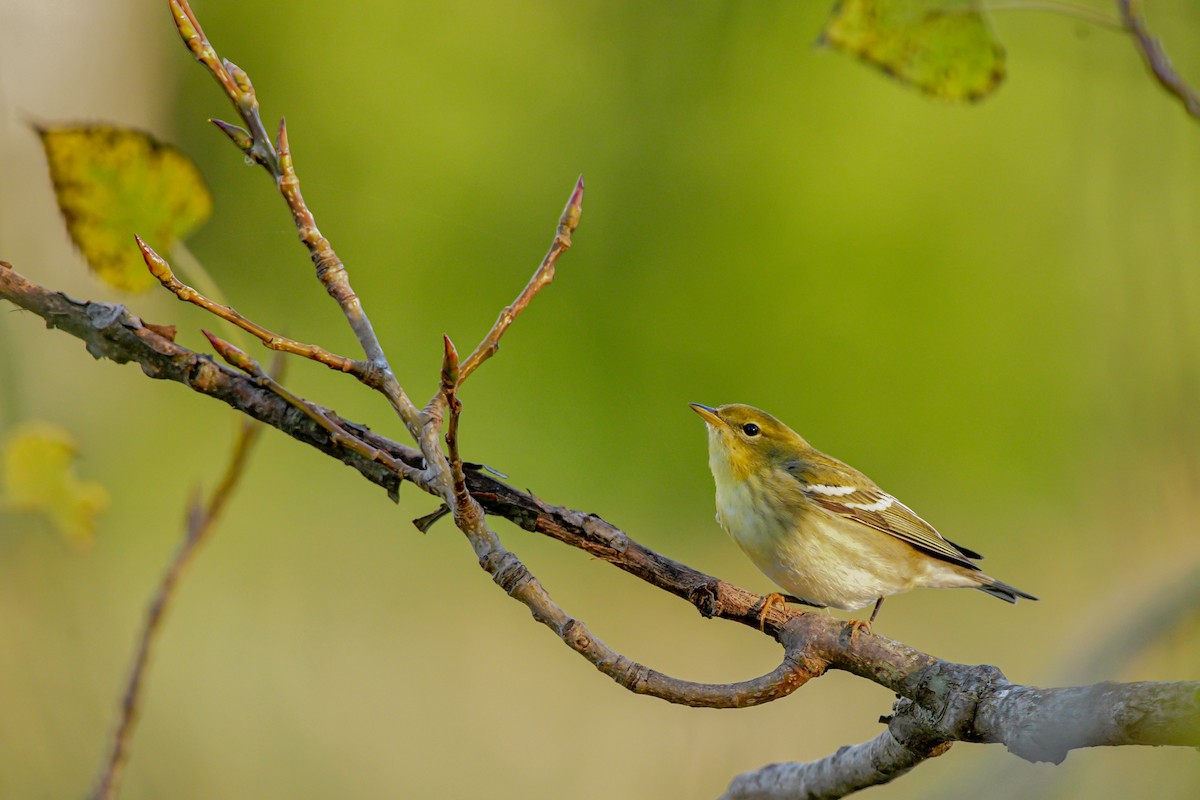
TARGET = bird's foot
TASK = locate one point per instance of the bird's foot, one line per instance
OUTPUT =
(856, 626)
(777, 599)
(770, 601)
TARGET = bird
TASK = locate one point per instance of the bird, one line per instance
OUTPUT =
(820, 529)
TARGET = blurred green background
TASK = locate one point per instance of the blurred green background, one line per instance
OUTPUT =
(992, 310)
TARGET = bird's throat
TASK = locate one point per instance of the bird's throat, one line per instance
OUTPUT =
(728, 464)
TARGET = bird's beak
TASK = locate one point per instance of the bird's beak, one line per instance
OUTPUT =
(708, 413)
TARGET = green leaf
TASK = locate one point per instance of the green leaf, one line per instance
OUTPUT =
(945, 48)
(38, 476)
(114, 182)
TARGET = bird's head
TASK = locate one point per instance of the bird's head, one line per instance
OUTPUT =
(743, 440)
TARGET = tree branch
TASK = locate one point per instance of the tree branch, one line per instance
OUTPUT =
(976, 704)
(955, 701)
(330, 271)
(1045, 724)
(903, 745)
(542, 276)
(161, 270)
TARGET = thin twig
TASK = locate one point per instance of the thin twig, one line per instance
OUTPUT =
(432, 415)
(339, 435)
(256, 143)
(200, 525)
(1156, 57)
(277, 160)
(543, 275)
(330, 270)
(442, 470)
(161, 270)
(450, 379)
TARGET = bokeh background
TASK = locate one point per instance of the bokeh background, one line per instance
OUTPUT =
(993, 310)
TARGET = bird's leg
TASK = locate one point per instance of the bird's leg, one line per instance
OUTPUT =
(856, 625)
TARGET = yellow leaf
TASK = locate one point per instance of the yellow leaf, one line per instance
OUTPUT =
(945, 48)
(39, 477)
(114, 182)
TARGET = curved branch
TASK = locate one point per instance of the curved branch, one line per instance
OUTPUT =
(794, 671)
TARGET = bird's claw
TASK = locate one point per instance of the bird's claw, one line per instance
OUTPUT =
(770, 601)
(856, 626)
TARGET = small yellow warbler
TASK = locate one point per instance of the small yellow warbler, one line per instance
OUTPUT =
(821, 529)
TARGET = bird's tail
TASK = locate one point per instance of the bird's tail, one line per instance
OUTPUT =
(996, 588)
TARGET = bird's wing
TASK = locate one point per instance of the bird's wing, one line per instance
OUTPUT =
(846, 492)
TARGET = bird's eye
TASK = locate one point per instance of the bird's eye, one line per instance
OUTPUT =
(750, 429)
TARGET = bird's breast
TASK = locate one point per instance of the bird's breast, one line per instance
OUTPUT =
(809, 552)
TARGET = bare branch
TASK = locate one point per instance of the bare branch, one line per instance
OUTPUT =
(200, 525)
(161, 270)
(1045, 724)
(235, 357)
(795, 670)
(236, 84)
(449, 390)
(111, 331)
(542, 276)
(852, 768)
(1156, 57)
(955, 702)
(329, 268)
